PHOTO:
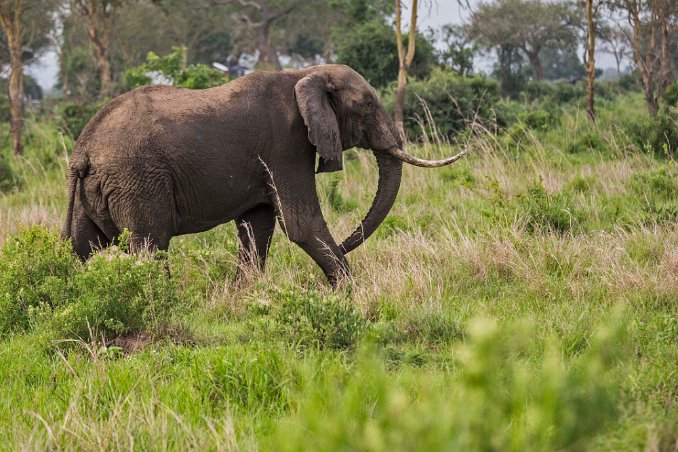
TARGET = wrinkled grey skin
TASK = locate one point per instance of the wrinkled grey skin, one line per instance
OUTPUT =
(162, 161)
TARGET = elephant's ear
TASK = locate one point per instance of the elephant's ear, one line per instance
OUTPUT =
(312, 95)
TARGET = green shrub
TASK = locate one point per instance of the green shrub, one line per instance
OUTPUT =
(312, 320)
(543, 211)
(74, 117)
(508, 394)
(657, 135)
(8, 178)
(118, 294)
(658, 194)
(37, 270)
(558, 93)
(586, 142)
(540, 120)
(670, 98)
(195, 76)
(453, 101)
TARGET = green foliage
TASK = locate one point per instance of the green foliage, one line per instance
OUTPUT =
(507, 394)
(586, 142)
(75, 117)
(458, 51)
(543, 211)
(118, 294)
(336, 201)
(36, 269)
(43, 286)
(9, 179)
(658, 194)
(5, 109)
(452, 101)
(251, 380)
(658, 135)
(171, 66)
(312, 319)
(370, 49)
(670, 97)
(558, 93)
(540, 120)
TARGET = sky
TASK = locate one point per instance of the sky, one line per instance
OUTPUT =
(439, 13)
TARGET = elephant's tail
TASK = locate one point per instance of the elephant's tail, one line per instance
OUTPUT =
(77, 168)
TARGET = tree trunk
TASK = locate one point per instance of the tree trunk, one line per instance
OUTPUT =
(99, 35)
(646, 65)
(104, 74)
(268, 56)
(590, 62)
(651, 99)
(405, 57)
(535, 61)
(16, 86)
(665, 69)
(617, 59)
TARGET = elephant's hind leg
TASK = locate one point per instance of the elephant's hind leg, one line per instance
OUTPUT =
(85, 234)
(255, 230)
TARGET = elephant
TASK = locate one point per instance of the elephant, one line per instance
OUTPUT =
(162, 161)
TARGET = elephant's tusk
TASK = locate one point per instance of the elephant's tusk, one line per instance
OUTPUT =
(407, 158)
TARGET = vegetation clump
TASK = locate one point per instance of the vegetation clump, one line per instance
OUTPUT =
(43, 287)
(312, 319)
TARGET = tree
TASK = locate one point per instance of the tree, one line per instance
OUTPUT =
(562, 63)
(590, 59)
(370, 49)
(18, 19)
(459, 50)
(260, 15)
(649, 35)
(405, 58)
(614, 42)
(510, 70)
(98, 18)
(528, 25)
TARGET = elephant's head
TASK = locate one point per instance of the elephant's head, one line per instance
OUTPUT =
(342, 110)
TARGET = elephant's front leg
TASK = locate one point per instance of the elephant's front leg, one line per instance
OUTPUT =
(302, 220)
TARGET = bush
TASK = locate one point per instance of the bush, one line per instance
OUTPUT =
(195, 76)
(453, 101)
(558, 93)
(370, 49)
(585, 142)
(44, 287)
(541, 120)
(545, 211)
(658, 194)
(670, 98)
(8, 178)
(36, 270)
(118, 294)
(74, 117)
(508, 394)
(313, 320)
(657, 135)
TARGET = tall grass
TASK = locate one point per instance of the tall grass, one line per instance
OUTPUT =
(524, 298)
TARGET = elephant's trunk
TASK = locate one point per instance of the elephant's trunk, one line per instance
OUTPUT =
(390, 173)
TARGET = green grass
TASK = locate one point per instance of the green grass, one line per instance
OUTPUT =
(525, 298)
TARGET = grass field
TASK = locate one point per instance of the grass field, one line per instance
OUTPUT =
(525, 298)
